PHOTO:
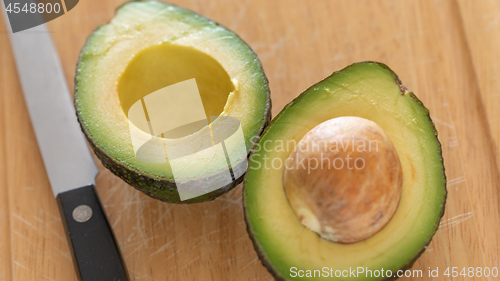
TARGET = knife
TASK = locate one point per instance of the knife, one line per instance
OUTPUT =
(66, 156)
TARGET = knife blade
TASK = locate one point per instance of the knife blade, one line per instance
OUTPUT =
(66, 156)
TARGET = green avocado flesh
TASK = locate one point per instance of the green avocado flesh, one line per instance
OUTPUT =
(148, 46)
(369, 90)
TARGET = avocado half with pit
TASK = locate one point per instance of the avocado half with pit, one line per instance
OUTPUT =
(151, 45)
(348, 177)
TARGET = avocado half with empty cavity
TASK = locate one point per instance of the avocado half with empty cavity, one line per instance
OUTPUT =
(151, 45)
(349, 176)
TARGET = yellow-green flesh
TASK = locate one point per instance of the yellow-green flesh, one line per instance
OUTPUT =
(366, 90)
(150, 45)
(165, 64)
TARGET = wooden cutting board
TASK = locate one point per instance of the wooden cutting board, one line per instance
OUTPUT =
(447, 52)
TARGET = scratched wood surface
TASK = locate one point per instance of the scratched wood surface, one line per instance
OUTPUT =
(447, 52)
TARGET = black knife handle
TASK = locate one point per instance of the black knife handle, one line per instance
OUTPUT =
(91, 241)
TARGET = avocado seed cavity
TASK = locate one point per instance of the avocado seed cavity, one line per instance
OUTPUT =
(343, 180)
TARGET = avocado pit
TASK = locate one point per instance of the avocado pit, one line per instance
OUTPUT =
(343, 179)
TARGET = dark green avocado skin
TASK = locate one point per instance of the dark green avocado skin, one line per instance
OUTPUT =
(164, 189)
(251, 233)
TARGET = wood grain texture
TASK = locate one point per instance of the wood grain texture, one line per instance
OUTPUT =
(444, 51)
(481, 26)
(5, 250)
